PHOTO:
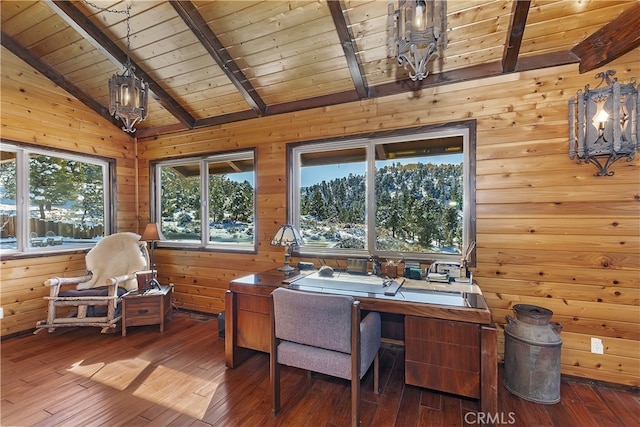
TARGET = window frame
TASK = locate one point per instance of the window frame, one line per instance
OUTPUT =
(464, 129)
(202, 161)
(23, 152)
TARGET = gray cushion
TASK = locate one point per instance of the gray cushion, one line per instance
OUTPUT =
(102, 291)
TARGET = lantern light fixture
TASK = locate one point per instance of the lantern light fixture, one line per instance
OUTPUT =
(128, 94)
(604, 123)
(415, 30)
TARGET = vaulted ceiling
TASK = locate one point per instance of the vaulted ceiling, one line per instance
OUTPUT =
(213, 62)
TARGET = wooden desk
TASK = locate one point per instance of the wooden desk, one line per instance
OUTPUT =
(447, 348)
(147, 308)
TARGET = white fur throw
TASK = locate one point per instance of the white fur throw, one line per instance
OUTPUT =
(115, 255)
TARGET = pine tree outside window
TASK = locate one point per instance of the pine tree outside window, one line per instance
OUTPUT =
(53, 200)
(403, 195)
(219, 188)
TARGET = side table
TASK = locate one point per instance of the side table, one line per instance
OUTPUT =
(149, 307)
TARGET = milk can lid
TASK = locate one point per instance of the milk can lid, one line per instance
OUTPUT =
(532, 314)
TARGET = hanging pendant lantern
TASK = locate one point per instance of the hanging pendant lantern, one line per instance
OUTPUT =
(128, 95)
(128, 98)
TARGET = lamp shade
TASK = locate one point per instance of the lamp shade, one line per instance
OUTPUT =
(150, 232)
(287, 235)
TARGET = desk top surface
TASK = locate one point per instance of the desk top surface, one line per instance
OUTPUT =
(451, 301)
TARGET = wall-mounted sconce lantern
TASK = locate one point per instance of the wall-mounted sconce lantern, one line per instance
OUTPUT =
(607, 126)
(415, 29)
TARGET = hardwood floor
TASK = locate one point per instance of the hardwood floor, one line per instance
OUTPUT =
(79, 377)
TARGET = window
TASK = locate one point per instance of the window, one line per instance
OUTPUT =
(408, 195)
(219, 188)
(52, 200)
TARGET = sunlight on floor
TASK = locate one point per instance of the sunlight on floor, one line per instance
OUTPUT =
(161, 385)
(173, 389)
(118, 374)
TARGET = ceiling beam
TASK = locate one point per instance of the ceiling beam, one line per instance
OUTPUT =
(80, 23)
(343, 27)
(190, 15)
(514, 38)
(474, 72)
(43, 68)
(611, 41)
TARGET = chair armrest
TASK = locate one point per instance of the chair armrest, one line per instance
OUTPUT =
(59, 281)
(56, 283)
(119, 279)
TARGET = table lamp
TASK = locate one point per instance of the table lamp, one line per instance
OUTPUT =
(150, 234)
(287, 236)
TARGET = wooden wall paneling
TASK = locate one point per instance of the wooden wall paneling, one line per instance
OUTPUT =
(549, 233)
(34, 110)
(521, 132)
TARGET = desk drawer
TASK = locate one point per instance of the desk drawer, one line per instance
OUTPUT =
(443, 355)
(253, 303)
(143, 311)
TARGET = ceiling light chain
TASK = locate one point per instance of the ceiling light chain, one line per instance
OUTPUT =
(128, 95)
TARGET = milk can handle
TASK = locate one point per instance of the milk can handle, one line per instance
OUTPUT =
(510, 319)
(557, 327)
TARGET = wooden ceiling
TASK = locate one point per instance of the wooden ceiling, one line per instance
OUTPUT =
(213, 62)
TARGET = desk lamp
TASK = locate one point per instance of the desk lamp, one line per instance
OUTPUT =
(151, 234)
(287, 236)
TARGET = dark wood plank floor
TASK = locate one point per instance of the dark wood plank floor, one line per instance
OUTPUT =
(79, 377)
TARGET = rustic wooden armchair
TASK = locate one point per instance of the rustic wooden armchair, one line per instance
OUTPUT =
(323, 333)
(92, 299)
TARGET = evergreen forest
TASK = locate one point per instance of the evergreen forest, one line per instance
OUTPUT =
(418, 208)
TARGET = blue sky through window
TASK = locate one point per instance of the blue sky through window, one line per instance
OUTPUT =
(315, 174)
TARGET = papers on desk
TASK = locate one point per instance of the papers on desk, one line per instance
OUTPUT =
(350, 282)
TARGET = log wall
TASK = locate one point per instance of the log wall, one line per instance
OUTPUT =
(36, 111)
(549, 232)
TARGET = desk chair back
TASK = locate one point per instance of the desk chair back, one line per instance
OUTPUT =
(323, 333)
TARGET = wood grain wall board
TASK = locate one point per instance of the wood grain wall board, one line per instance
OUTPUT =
(591, 284)
(598, 311)
(606, 365)
(559, 244)
(576, 175)
(582, 325)
(548, 210)
(559, 194)
(612, 346)
(607, 269)
(580, 291)
(537, 265)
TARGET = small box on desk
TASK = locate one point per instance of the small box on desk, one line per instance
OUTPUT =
(390, 269)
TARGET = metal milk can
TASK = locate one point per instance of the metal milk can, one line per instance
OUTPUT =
(532, 354)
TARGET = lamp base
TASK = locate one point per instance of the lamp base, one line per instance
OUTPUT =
(286, 267)
(153, 284)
